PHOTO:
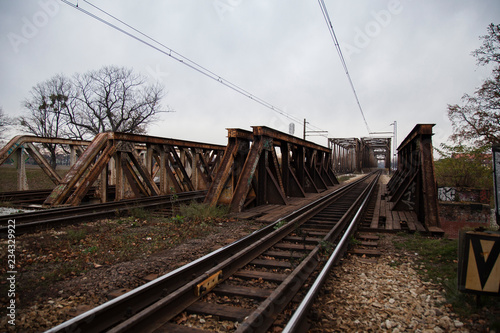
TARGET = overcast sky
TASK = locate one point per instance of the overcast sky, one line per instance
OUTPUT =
(407, 59)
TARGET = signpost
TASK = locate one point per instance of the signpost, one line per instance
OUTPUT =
(496, 180)
(479, 262)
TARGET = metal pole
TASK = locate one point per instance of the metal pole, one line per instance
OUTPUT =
(496, 180)
(304, 128)
(395, 144)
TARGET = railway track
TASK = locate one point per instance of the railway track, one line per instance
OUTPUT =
(252, 282)
(27, 198)
(29, 222)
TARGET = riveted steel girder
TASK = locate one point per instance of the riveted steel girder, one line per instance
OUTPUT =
(138, 165)
(413, 186)
(267, 166)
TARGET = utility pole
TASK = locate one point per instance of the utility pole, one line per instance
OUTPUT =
(317, 133)
(395, 146)
(305, 122)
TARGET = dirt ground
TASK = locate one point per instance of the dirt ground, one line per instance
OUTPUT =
(361, 295)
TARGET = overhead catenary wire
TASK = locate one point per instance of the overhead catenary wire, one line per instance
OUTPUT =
(326, 16)
(182, 59)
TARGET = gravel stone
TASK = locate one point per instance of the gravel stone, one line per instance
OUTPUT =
(386, 296)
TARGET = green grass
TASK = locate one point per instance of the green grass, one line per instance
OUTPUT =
(437, 261)
(437, 255)
(344, 178)
(75, 235)
(200, 211)
(140, 213)
(37, 179)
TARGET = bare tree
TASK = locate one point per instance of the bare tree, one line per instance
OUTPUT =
(108, 99)
(5, 122)
(47, 112)
(114, 99)
(478, 119)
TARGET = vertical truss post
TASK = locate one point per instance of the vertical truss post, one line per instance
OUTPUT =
(120, 179)
(164, 188)
(20, 163)
(72, 155)
(103, 184)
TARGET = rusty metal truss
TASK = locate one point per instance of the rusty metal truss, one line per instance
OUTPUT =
(266, 166)
(355, 155)
(346, 154)
(137, 166)
(375, 151)
(413, 186)
(18, 146)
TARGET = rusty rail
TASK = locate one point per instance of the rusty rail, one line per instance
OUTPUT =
(49, 218)
(168, 295)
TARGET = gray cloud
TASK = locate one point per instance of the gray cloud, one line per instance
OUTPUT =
(408, 59)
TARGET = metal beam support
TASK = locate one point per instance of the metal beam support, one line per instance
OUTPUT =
(277, 166)
(413, 186)
(346, 154)
(137, 160)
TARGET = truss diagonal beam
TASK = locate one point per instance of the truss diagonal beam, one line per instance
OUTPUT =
(137, 165)
(268, 166)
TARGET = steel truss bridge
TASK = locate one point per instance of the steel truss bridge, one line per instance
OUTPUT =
(256, 168)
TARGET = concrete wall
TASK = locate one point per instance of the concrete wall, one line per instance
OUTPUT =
(455, 216)
(464, 194)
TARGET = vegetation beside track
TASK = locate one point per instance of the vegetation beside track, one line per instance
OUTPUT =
(55, 255)
(436, 260)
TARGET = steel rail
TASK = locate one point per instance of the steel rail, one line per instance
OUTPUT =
(29, 198)
(27, 222)
(161, 312)
(24, 198)
(114, 311)
(298, 319)
(262, 318)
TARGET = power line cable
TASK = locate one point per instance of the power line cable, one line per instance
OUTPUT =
(180, 58)
(324, 10)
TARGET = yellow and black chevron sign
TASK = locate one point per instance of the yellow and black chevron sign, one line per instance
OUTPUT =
(479, 262)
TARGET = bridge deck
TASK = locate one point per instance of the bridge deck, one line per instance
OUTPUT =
(270, 213)
(384, 218)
